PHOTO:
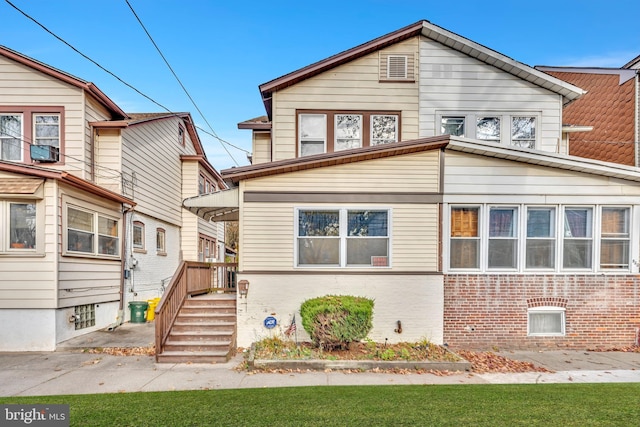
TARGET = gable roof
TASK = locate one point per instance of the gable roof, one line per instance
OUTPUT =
(65, 77)
(634, 63)
(608, 107)
(135, 119)
(433, 32)
(447, 142)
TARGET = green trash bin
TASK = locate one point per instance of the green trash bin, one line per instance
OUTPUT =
(137, 311)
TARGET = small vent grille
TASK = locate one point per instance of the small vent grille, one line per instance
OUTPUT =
(397, 67)
(85, 316)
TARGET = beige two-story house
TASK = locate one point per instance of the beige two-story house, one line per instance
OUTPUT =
(90, 205)
(428, 172)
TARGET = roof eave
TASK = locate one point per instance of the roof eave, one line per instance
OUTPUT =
(235, 175)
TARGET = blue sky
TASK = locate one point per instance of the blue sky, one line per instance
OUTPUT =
(222, 51)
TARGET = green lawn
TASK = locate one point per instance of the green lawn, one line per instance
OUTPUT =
(429, 405)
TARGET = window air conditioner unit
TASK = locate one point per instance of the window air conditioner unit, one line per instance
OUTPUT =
(45, 153)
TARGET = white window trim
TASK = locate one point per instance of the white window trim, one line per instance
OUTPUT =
(471, 118)
(371, 139)
(96, 212)
(5, 238)
(335, 132)
(20, 137)
(139, 248)
(163, 249)
(549, 310)
(301, 139)
(483, 227)
(343, 211)
(35, 134)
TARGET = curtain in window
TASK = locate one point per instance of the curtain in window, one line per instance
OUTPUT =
(614, 245)
(465, 242)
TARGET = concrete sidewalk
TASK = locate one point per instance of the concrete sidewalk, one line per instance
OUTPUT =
(70, 370)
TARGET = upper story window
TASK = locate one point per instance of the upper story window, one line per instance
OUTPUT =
(452, 126)
(24, 127)
(551, 238)
(46, 129)
(206, 185)
(181, 135)
(514, 129)
(11, 137)
(330, 131)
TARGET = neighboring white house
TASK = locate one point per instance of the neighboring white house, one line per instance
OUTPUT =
(90, 205)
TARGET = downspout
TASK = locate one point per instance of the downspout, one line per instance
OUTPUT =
(123, 268)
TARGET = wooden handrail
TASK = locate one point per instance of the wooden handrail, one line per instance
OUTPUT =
(191, 278)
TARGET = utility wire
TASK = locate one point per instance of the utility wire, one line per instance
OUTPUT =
(106, 70)
(179, 81)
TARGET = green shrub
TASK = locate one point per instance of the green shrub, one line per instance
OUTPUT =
(333, 321)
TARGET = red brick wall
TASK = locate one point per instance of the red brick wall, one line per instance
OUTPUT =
(490, 311)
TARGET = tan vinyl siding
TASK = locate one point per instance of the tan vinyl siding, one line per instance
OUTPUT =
(23, 86)
(108, 159)
(87, 280)
(468, 174)
(94, 112)
(30, 281)
(159, 183)
(414, 236)
(261, 147)
(352, 86)
(189, 229)
(266, 236)
(409, 173)
(452, 81)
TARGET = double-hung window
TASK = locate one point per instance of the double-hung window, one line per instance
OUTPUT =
(161, 241)
(313, 134)
(465, 237)
(614, 238)
(348, 131)
(541, 238)
(46, 129)
(91, 233)
(503, 237)
(578, 238)
(332, 131)
(11, 137)
(343, 237)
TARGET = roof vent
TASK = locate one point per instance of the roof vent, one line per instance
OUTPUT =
(397, 67)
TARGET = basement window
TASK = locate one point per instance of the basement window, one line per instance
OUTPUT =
(546, 321)
(85, 316)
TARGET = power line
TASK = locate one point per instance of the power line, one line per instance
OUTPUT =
(179, 81)
(106, 70)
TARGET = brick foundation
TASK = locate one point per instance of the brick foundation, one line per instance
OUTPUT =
(490, 311)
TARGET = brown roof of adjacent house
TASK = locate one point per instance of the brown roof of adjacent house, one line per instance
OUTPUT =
(608, 106)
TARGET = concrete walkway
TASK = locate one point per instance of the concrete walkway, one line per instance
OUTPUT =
(70, 370)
